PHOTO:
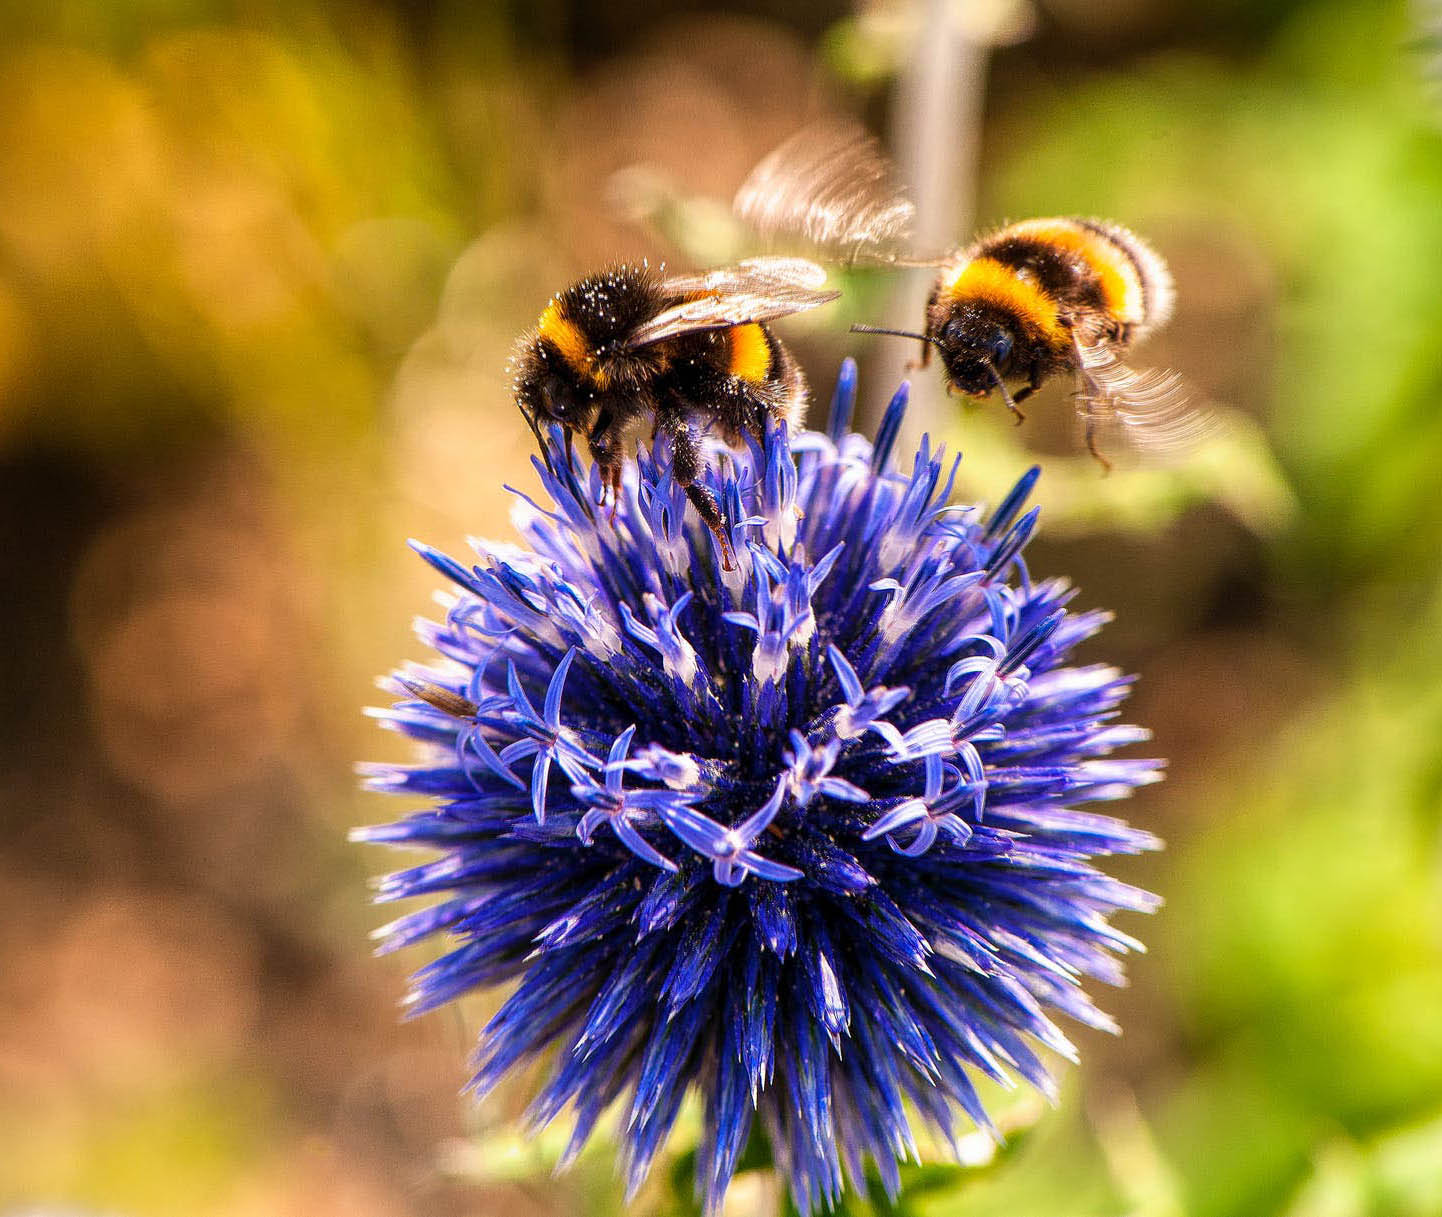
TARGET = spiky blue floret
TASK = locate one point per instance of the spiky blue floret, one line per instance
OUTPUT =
(801, 837)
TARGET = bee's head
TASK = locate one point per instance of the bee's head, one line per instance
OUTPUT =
(977, 344)
(547, 390)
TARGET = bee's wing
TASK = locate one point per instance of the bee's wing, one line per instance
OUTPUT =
(760, 289)
(1149, 410)
(829, 186)
(747, 275)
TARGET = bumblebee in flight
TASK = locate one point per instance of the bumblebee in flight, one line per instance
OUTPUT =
(1030, 301)
(689, 351)
(1044, 297)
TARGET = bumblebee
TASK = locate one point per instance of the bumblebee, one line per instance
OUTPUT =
(691, 352)
(1044, 297)
(1028, 302)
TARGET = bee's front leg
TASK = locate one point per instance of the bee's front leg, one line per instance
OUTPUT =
(605, 442)
(1034, 381)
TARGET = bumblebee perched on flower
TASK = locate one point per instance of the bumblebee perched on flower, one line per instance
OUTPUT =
(1027, 302)
(690, 351)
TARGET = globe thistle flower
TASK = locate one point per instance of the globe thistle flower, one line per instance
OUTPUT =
(800, 838)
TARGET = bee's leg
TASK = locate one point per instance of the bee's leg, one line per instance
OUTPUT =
(1017, 416)
(1092, 400)
(1033, 383)
(610, 487)
(710, 512)
(686, 469)
(604, 441)
(1090, 419)
(614, 472)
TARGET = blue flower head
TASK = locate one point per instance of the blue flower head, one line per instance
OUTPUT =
(801, 838)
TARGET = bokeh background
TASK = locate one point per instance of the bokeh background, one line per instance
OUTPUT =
(261, 265)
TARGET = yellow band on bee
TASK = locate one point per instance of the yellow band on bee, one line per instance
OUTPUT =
(991, 281)
(1102, 254)
(750, 354)
(570, 343)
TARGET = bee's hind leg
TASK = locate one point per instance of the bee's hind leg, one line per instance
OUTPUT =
(686, 468)
(1093, 400)
(710, 512)
(1089, 419)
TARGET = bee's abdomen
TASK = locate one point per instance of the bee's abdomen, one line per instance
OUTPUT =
(757, 358)
(1158, 294)
(788, 389)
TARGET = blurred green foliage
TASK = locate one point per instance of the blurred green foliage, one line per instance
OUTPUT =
(1323, 150)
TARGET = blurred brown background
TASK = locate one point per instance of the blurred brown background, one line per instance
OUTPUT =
(261, 266)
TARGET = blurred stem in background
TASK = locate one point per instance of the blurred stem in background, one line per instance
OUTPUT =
(936, 126)
(936, 136)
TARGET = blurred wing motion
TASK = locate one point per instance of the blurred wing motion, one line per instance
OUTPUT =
(832, 187)
(1148, 410)
(759, 289)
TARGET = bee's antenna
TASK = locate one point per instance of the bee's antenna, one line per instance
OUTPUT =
(877, 329)
(530, 417)
(1005, 392)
